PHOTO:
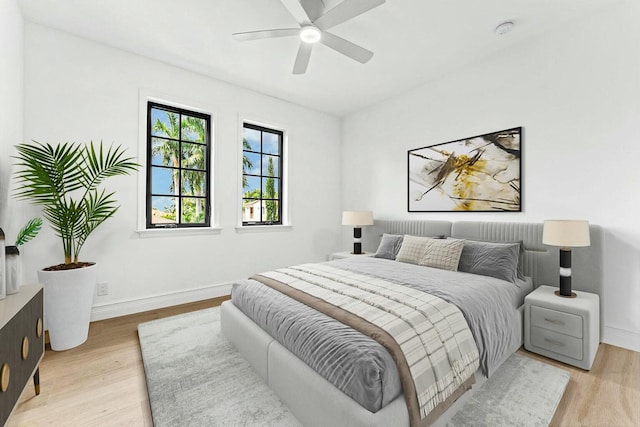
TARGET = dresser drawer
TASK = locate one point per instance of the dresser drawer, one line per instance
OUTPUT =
(21, 348)
(558, 343)
(558, 321)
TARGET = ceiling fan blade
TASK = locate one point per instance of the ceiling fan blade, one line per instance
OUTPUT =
(314, 8)
(345, 47)
(265, 34)
(302, 59)
(344, 11)
(295, 8)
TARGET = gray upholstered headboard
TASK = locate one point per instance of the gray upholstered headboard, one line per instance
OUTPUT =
(541, 262)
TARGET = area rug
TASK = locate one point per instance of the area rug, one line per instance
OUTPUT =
(196, 378)
(523, 392)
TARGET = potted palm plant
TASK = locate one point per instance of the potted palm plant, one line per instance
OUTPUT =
(65, 180)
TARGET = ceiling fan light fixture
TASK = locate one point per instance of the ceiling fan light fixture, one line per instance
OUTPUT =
(310, 34)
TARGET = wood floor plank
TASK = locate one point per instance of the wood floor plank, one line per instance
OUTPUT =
(608, 395)
(102, 383)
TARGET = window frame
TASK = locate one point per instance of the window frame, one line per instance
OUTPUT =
(280, 176)
(159, 105)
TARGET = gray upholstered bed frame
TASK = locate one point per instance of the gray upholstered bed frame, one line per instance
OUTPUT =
(316, 402)
(541, 262)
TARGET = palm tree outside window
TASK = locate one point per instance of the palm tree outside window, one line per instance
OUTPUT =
(262, 160)
(179, 167)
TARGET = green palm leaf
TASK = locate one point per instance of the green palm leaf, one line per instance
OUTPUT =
(29, 231)
(98, 207)
(64, 180)
(98, 166)
(47, 173)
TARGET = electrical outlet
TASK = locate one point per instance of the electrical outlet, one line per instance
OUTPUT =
(103, 289)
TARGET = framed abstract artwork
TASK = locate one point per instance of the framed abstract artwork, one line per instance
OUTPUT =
(479, 174)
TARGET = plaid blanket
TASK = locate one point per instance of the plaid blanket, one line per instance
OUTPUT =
(428, 337)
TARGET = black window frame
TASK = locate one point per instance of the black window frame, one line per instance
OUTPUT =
(280, 175)
(207, 170)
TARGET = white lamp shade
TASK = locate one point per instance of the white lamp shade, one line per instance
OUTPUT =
(566, 233)
(357, 218)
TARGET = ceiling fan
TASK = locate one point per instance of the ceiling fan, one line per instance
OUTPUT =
(314, 22)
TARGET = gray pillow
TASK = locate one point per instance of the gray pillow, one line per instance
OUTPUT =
(499, 260)
(389, 246)
(521, 275)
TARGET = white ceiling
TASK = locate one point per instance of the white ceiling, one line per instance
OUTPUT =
(414, 41)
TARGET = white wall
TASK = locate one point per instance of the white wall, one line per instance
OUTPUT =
(78, 90)
(11, 102)
(576, 92)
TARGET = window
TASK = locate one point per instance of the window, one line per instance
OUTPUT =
(178, 172)
(261, 175)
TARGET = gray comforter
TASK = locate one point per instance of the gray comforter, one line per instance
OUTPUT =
(358, 365)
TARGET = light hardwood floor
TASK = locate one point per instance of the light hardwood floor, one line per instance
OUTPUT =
(101, 383)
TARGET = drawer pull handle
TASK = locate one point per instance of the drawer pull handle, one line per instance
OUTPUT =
(5, 374)
(555, 342)
(554, 321)
(25, 348)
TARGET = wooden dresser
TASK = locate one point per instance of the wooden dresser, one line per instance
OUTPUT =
(21, 345)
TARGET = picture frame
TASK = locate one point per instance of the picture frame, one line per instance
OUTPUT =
(481, 173)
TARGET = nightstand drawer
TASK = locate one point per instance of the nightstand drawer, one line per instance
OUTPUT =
(558, 321)
(558, 343)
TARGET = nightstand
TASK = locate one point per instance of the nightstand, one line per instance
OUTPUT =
(341, 255)
(564, 329)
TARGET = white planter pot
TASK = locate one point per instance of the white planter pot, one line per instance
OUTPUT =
(68, 298)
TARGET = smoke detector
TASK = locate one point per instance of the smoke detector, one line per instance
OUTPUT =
(504, 28)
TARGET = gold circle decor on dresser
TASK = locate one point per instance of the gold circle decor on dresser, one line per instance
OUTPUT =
(4, 377)
(25, 348)
(39, 327)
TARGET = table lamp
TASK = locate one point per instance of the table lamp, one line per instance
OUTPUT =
(566, 234)
(357, 219)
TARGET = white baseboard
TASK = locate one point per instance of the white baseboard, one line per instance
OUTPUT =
(138, 305)
(621, 338)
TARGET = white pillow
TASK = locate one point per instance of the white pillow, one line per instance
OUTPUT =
(443, 254)
(412, 249)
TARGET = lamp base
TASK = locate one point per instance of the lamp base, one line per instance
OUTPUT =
(573, 295)
(357, 241)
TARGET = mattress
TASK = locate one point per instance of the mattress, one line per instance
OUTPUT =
(358, 365)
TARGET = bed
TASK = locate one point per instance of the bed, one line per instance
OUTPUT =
(290, 366)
